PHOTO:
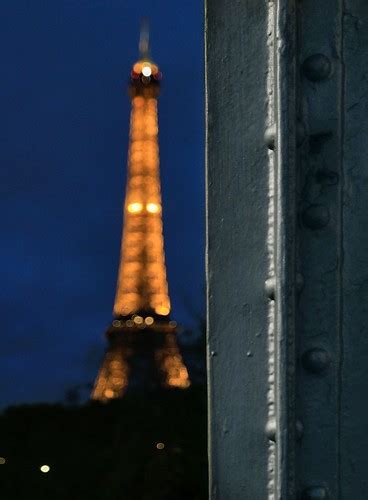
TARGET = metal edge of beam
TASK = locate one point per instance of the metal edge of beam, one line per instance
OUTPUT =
(285, 221)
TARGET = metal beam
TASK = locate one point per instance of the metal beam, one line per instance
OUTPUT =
(287, 204)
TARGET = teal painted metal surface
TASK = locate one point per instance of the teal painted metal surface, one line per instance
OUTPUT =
(287, 179)
(237, 187)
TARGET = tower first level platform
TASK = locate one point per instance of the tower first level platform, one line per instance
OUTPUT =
(142, 356)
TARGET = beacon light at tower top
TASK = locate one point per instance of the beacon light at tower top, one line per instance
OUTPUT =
(147, 69)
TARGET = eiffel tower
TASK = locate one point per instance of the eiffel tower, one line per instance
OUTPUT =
(142, 352)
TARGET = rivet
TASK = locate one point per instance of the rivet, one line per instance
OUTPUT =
(318, 141)
(317, 67)
(299, 430)
(316, 216)
(316, 360)
(271, 430)
(249, 354)
(270, 287)
(315, 493)
(327, 177)
(213, 353)
(270, 136)
(299, 282)
(301, 133)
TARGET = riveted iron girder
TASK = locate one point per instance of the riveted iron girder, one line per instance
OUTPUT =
(287, 248)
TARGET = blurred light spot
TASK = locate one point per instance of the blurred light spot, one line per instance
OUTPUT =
(2, 460)
(173, 324)
(149, 320)
(44, 468)
(138, 101)
(153, 208)
(160, 446)
(129, 322)
(138, 320)
(164, 311)
(137, 67)
(135, 208)
(116, 323)
(109, 393)
(146, 70)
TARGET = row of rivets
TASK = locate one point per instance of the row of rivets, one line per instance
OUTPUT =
(316, 68)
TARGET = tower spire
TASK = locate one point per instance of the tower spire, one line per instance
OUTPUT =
(142, 284)
(142, 351)
(144, 39)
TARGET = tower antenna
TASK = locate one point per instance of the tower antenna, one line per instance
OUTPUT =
(144, 39)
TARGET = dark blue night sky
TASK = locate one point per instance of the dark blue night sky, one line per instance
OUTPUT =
(64, 136)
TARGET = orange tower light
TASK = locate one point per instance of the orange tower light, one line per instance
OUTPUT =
(142, 351)
(142, 284)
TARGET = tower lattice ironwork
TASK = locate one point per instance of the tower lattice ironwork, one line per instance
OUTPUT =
(142, 350)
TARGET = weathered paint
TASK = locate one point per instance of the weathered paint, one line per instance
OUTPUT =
(237, 180)
(287, 194)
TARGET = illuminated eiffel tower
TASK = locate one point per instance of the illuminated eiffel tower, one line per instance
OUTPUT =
(142, 350)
